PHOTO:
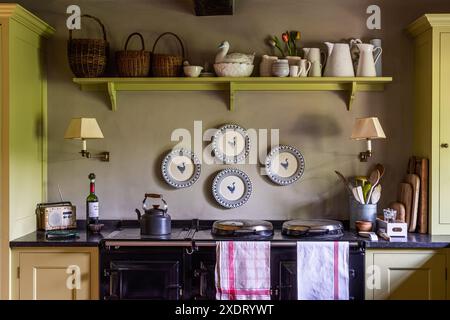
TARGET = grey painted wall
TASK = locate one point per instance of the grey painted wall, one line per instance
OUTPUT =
(138, 135)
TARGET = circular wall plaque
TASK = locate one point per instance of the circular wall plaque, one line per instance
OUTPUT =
(231, 144)
(285, 165)
(181, 168)
(231, 188)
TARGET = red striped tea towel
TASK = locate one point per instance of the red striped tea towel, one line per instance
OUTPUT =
(243, 270)
(322, 270)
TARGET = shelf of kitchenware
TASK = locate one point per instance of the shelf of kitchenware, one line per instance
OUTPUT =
(233, 85)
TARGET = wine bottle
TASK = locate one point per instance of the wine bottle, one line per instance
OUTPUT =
(92, 203)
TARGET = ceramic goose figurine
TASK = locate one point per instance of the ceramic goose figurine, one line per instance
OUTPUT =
(224, 57)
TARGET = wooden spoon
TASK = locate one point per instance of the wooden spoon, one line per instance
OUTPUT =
(374, 179)
(381, 169)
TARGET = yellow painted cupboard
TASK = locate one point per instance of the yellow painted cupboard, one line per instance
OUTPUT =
(55, 273)
(431, 35)
(419, 274)
(23, 108)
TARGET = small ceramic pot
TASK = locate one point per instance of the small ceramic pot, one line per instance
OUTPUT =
(280, 68)
(192, 71)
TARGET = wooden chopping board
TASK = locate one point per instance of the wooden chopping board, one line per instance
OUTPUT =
(422, 171)
(400, 208)
(414, 181)
(405, 195)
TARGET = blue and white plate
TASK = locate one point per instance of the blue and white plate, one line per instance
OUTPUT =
(231, 144)
(285, 165)
(181, 168)
(231, 188)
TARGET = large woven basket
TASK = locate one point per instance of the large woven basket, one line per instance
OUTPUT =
(88, 57)
(133, 63)
(165, 65)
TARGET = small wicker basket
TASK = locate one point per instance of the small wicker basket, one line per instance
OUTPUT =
(133, 63)
(88, 57)
(164, 65)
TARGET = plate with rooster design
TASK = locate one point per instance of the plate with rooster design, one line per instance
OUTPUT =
(231, 144)
(181, 168)
(231, 188)
(285, 165)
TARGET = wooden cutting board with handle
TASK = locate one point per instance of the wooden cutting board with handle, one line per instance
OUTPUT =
(414, 181)
(400, 208)
(422, 171)
(405, 195)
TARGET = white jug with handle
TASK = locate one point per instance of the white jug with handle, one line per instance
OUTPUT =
(339, 60)
(315, 56)
(366, 64)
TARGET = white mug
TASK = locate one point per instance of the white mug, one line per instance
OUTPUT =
(294, 71)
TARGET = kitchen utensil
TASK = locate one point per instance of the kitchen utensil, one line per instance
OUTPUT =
(360, 194)
(238, 228)
(317, 59)
(305, 66)
(411, 165)
(414, 181)
(192, 71)
(376, 195)
(155, 221)
(280, 68)
(294, 71)
(380, 169)
(360, 180)
(366, 62)
(405, 195)
(374, 179)
(339, 61)
(344, 180)
(366, 188)
(362, 225)
(401, 211)
(265, 67)
(422, 171)
(378, 64)
(356, 195)
(313, 228)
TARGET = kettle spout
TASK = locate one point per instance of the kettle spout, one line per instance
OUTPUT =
(330, 47)
(138, 214)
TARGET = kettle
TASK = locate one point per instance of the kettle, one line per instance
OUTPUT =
(155, 221)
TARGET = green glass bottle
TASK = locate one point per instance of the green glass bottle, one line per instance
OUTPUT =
(92, 208)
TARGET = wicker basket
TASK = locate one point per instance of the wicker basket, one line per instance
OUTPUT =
(164, 65)
(88, 57)
(133, 63)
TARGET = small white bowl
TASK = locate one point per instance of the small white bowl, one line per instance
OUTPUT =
(192, 71)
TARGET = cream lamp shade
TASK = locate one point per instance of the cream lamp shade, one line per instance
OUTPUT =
(83, 128)
(367, 128)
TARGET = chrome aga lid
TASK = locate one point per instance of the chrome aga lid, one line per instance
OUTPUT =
(242, 228)
(322, 228)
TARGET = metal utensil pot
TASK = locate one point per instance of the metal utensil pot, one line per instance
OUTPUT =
(155, 221)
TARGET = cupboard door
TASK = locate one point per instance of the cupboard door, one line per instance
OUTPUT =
(410, 275)
(444, 154)
(48, 276)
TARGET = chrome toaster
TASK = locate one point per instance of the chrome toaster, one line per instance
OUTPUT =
(56, 216)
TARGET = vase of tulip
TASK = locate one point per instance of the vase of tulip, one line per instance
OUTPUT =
(287, 46)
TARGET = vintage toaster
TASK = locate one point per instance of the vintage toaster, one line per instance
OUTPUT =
(56, 216)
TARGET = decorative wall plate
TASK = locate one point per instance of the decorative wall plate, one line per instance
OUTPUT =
(232, 188)
(181, 168)
(285, 165)
(231, 144)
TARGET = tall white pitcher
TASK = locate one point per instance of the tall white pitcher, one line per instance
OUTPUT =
(366, 64)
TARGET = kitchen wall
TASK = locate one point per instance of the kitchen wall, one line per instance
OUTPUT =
(138, 134)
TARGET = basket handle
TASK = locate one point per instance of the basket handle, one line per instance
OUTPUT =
(135, 34)
(94, 18)
(172, 34)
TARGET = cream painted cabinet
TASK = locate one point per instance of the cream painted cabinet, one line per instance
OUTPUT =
(432, 111)
(55, 273)
(406, 274)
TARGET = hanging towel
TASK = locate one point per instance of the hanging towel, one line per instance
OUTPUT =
(243, 270)
(322, 270)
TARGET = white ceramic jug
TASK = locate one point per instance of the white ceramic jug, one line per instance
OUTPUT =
(314, 55)
(366, 64)
(339, 60)
(265, 68)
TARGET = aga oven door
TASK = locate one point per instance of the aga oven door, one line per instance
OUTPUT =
(142, 273)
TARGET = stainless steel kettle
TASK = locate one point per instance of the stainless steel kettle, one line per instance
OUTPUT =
(155, 221)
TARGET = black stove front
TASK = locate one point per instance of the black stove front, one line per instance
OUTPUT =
(182, 267)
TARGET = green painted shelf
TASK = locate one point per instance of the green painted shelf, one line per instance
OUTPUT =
(233, 85)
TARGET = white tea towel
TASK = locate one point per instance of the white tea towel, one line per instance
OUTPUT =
(243, 270)
(322, 270)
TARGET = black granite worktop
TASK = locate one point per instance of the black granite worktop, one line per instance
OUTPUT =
(120, 230)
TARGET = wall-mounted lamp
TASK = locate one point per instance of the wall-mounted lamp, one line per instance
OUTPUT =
(367, 129)
(83, 129)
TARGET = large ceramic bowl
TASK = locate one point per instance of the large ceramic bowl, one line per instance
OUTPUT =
(233, 69)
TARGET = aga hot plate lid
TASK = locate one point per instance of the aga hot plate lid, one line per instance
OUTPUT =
(312, 225)
(242, 225)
